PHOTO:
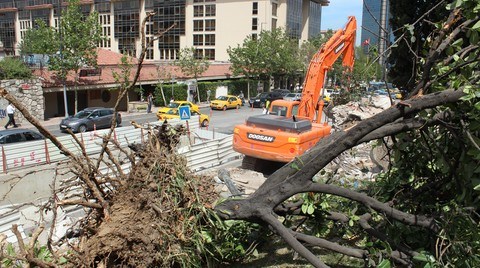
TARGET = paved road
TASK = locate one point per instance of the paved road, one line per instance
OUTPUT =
(224, 121)
(220, 121)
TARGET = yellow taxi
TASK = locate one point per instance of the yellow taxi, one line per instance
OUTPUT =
(176, 105)
(226, 102)
(172, 113)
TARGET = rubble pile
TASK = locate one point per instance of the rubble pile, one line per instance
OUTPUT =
(365, 160)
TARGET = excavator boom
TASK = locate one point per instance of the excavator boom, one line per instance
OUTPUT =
(291, 127)
(341, 43)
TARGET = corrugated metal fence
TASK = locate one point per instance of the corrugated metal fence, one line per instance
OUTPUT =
(205, 145)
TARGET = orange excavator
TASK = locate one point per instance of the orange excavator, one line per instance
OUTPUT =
(292, 127)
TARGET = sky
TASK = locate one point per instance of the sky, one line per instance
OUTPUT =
(335, 15)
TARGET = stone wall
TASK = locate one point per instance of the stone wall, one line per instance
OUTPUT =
(29, 93)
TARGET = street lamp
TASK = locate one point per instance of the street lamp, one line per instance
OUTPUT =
(61, 58)
(173, 85)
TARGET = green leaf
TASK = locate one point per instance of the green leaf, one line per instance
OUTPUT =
(476, 25)
(421, 257)
(62, 260)
(458, 3)
(477, 105)
(384, 264)
(304, 208)
(474, 37)
(310, 209)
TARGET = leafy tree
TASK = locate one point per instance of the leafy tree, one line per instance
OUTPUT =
(273, 55)
(40, 40)
(405, 69)
(190, 64)
(79, 37)
(76, 42)
(11, 68)
(424, 210)
(366, 67)
(280, 54)
(245, 60)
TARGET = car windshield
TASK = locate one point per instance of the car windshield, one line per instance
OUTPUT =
(172, 111)
(82, 114)
(262, 95)
(291, 95)
(173, 105)
(223, 98)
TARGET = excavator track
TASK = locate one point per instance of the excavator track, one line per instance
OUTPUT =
(266, 167)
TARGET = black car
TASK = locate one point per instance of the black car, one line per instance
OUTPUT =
(282, 92)
(19, 135)
(89, 119)
(260, 100)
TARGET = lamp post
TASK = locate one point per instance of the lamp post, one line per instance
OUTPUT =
(61, 58)
(173, 85)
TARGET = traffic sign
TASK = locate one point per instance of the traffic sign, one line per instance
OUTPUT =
(184, 112)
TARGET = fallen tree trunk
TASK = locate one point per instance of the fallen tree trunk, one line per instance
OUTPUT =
(296, 176)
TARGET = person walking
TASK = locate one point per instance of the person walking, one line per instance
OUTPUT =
(208, 95)
(149, 102)
(11, 114)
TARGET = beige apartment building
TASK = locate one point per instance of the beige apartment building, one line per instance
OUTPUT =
(208, 25)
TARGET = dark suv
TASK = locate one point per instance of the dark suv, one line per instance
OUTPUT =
(260, 100)
(89, 119)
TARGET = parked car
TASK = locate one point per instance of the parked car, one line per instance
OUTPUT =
(293, 96)
(203, 119)
(260, 100)
(89, 119)
(282, 92)
(177, 104)
(226, 102)
(19, 135)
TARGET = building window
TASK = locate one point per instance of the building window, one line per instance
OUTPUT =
(274, 9)
(106, 31)
(198, 1)
(198, 25)
(198, 39)
(209, 39)
(254, 24)
(149, 54)
(210, 10)
(274, 24)
(210, 54)
(209, 25)
(255, 8)
(198, 11)
(254, 36)
(198, 54)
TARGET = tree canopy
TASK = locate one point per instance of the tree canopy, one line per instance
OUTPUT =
(72, 46)
(11, 68)
(273, 54)
(190, 63)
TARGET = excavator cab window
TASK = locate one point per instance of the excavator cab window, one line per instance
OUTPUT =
(295, 110)
(279, 110)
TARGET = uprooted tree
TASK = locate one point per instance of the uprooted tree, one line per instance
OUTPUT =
(425, 208)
